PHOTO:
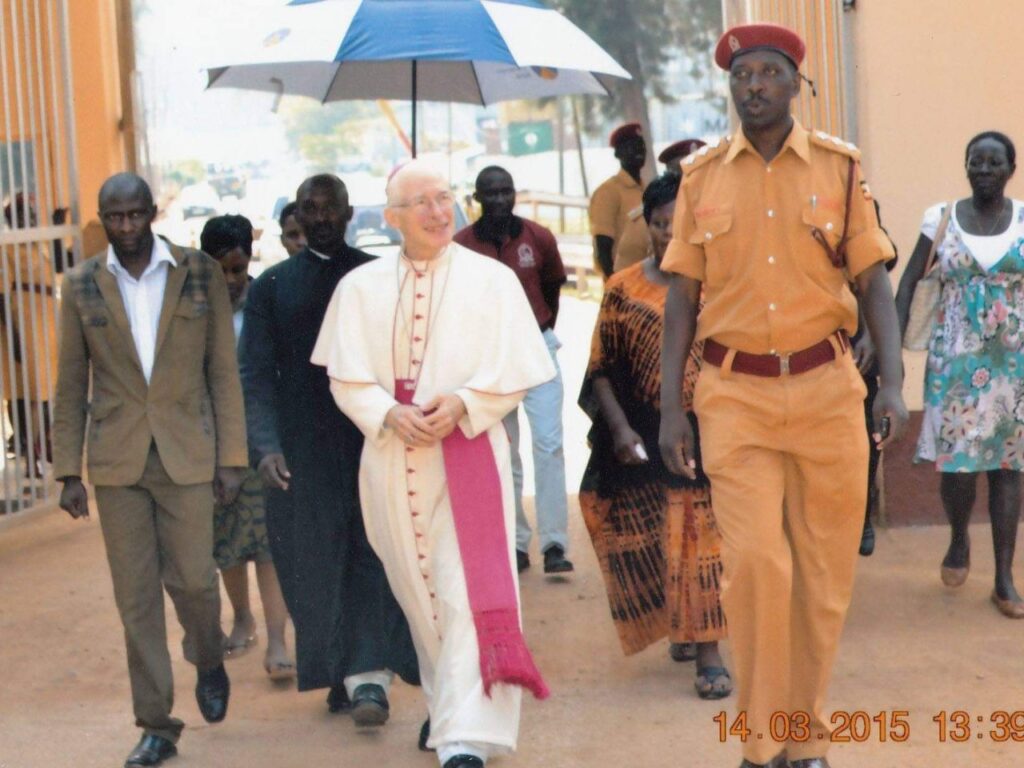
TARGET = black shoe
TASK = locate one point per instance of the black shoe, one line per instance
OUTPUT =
(337, 699)
(212, 691)
(555, 560)
(425, 737)
(370, 706)
(522, 560)
(867, 539)
(779, 761)
(464, 761)
(151, 750)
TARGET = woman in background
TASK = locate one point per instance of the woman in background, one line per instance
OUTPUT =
(654, 532)
(240, 531)
(974, 390)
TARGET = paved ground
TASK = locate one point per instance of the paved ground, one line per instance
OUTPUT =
(909, 645)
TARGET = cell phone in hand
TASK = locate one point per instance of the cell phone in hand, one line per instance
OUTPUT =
(641, 452)
(884, 426)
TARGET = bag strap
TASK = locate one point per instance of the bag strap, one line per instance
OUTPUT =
(940, 235)
(841, 248)
(838, 255)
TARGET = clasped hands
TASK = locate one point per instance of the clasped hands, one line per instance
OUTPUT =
(423, 426)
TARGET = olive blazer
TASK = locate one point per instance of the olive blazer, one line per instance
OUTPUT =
(191, 407)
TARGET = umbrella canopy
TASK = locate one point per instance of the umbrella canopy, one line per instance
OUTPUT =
(470, 51)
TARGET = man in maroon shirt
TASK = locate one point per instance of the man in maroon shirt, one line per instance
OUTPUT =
(531, 252)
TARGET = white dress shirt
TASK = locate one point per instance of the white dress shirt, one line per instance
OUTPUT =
(143, 299)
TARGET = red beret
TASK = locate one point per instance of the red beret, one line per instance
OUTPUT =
(624, 133)
(679, 149)
(752, 37)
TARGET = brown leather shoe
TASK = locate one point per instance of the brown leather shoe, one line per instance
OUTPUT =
(811, 762)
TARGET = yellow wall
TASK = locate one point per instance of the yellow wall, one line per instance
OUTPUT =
(929, 77)
(97, 104)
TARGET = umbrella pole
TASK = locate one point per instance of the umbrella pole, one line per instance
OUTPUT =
(414, 108)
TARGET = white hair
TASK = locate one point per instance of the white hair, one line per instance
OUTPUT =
(414, 169)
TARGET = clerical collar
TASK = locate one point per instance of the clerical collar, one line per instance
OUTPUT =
(425, 265)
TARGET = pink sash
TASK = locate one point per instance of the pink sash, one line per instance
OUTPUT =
(474, 489)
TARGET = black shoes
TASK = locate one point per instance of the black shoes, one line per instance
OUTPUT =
(813, 762)
(424, 737)
(779, 761)
(337, 700)
(370, 706)
(522, 560)
(151, 750)
(464, 761)
(867, 539)
(555, 560)
(212, 692)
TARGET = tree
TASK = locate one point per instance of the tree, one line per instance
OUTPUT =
(324, 133)
(644, 36)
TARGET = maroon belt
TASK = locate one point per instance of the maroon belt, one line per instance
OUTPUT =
(776, 365)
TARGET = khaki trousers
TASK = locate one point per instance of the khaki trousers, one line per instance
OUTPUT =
(158, 536)
(787, 458)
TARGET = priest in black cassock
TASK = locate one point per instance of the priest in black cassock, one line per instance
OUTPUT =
(350, 633)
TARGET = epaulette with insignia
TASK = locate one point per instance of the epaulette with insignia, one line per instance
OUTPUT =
(836, 144)
(713, 148)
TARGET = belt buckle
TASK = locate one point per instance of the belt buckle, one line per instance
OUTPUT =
(784, 364)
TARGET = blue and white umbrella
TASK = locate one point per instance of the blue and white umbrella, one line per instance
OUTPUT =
(469, 51)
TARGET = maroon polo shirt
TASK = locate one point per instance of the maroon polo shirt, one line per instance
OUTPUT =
(532, 253)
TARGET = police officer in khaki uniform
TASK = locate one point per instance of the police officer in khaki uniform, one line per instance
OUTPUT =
(673, 155)
(616, 207)
(771, 223)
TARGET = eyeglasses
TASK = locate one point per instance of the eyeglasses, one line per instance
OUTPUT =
(424, 202)
(119, 217)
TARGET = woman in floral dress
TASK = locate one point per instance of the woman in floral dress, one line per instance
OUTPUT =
(974, 382)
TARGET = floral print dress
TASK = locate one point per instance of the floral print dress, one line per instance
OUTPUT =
(974, 380)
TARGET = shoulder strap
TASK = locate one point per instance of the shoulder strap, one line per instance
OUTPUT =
(841, 248)
(837, 255)
(940, 235)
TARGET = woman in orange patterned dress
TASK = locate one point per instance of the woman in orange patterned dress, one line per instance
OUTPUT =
(654, 532)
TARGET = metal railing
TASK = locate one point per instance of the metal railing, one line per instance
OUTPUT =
(572, 228)
(39, 236)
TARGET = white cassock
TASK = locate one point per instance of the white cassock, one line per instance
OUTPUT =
(463, 326)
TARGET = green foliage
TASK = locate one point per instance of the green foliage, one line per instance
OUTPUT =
(644, 36)
(324, 133)
(185, 172)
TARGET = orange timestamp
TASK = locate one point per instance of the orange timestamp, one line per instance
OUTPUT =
(857, 726)
(960, 726)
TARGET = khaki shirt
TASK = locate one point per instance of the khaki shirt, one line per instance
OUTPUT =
(742, 228)
(610, 207)
(635, 243)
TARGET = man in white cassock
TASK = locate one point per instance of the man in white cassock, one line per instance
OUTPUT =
(426, 352)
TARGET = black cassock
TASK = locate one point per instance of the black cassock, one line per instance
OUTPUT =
(346, 619)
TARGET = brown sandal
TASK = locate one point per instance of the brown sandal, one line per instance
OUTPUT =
(1011, 609)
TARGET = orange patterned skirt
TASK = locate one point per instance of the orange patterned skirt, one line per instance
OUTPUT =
(660, 555)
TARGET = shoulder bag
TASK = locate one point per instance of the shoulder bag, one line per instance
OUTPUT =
(924, 308)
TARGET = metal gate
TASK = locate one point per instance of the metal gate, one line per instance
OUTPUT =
(40, 236)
